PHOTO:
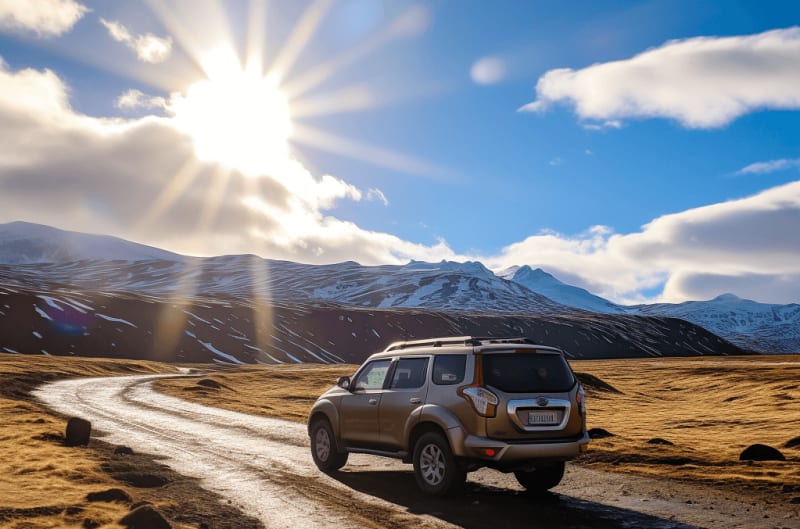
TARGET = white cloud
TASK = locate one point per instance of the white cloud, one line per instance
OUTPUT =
(488, 70)
(377, 194)
(140, 179)
(133, 99)
(148, 47)
(770, 167)
(748, 245)
(702, 82)
(46, 18)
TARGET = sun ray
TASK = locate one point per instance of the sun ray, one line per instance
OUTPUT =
(255, 36)
(349, 99)
(301, 34)
(406, 23)
(170, 193)
(214, 197)
(319, 139)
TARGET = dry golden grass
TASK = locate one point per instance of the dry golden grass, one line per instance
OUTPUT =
(44, 484)
(710, 408)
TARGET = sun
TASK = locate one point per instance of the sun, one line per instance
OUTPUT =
(236, 116)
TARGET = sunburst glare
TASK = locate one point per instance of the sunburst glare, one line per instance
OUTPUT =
(236, 116)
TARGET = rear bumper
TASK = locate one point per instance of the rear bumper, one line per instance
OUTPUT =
(472, 446)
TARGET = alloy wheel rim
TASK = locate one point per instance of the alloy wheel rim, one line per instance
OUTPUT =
(322, 444)
(432, 464)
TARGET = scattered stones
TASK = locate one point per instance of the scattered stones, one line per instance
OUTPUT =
(759, 452)
(73, 510)
(660, 441)
(110, 495)
(123, 450)
(599, 433)
(791, 488)
(78, 432)
(793, 442)
(49, 437)
(145, 517)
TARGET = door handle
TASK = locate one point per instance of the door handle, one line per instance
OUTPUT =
(414, 400)
(372, 401)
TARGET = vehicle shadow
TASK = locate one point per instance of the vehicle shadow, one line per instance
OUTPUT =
(484, 506)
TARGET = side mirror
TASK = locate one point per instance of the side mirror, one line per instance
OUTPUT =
(343, 382)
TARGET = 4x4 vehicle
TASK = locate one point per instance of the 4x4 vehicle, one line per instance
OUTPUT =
(454, 405)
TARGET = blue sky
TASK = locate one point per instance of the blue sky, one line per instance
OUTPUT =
(611, 143)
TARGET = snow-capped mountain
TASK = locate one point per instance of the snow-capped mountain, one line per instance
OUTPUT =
(25, 242)
(37, 255)
(758, 326)
(545, 284)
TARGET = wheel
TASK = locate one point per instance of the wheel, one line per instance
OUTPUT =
(543, 478)
(436, 470)
(323, 447)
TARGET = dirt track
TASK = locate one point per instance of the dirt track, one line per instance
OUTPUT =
(263, 467)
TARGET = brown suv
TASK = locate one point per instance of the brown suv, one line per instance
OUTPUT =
(453, 405)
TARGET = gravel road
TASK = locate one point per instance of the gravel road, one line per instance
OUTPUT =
(263, 467)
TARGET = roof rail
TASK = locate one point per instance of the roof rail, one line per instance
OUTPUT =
(456, 340)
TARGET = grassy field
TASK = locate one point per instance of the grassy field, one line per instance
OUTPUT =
(709, 408)
(45, 484)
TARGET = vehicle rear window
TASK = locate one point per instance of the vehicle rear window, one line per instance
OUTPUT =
(527, 372)
(449, 369)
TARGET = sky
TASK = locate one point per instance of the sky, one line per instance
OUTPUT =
(646, 151)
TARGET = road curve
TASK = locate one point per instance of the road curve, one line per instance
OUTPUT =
(263, 466)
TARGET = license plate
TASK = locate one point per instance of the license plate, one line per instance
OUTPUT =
(543, 417)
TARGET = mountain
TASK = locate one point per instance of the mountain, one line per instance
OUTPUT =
(757, 326)
(545, 284)
(25, 242)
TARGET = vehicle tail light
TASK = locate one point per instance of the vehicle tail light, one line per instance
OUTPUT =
(483, 400)
(581, 398)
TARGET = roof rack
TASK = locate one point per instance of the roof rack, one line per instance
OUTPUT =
(457, 340)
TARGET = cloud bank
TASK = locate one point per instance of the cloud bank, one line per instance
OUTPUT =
(703, 82)
(46, 18)
(748, 246)
(140, 179)
(148, 47)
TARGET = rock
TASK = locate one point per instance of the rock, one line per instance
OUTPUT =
(88, 523)
(596, 383)
(142, 480)
(123, 450)
(759, 452)
(78, 432)
(599, 433)
(795, 500)
(145, 517)
(209, 383)
(793, 442)
(110, 495)
(791, 488)
(660, 441)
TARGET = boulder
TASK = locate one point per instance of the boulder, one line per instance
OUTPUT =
(759, 452)
(599, 433)
(793, 442)
(123, 450)
(209, 383)
(78, 432)
(110, 495)
(660, 441)
(145, 517)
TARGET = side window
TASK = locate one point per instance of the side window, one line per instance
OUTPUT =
(449, 369)
(372, 376)
(410, 373)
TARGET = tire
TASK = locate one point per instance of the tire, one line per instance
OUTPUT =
(436, 470)
(543, 478)
(324, 449)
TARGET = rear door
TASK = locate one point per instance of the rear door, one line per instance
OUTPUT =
(405, 393)
(358, 411)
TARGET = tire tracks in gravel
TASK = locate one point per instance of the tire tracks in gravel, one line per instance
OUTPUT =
(263, 467)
